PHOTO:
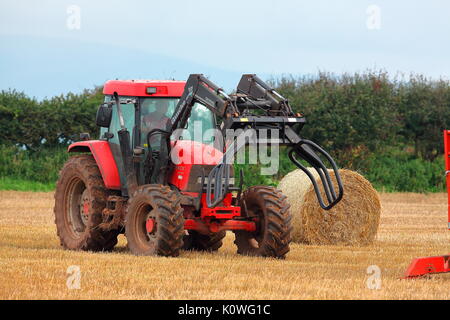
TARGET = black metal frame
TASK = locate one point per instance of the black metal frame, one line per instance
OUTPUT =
(304, 150)
(238, 112)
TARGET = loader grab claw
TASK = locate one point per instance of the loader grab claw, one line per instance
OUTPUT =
(259, 107)
(307, 151)
(218, 184)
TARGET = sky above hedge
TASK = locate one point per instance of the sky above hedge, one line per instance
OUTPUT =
(52, 47)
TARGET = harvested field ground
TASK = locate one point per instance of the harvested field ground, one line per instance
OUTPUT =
(33, 265)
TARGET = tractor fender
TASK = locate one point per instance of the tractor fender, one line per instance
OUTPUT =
(104, 159)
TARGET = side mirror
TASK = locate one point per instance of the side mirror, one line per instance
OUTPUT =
(104, 115)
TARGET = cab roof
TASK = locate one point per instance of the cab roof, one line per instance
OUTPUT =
(139, 88)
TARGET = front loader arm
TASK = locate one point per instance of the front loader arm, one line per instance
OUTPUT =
(257, 89)
(255, 106)
(199, 89)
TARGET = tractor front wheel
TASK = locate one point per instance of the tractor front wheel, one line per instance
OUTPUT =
(269, 209)
(154, 224)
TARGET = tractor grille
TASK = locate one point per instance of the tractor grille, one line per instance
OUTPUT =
(195, 177)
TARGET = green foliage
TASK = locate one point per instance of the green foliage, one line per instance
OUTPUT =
(18, 119)
(358, 115)
(7, 183)
(425, 113)
(394, 172)
(42, 167)
(389, 129)
(404, 172)
(50, 123)
(351, 115)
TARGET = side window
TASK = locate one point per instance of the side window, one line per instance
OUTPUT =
(128, 112)
(128, 116)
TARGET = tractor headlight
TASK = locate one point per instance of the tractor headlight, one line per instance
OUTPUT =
(151, 90)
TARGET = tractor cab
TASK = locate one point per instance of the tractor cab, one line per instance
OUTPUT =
(145, 106)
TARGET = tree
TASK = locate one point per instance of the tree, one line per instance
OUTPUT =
(425, 112)
(352, 116)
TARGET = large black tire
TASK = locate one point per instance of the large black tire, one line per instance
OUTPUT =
(80, 198)
(270, 210)
(161, 205)
(201, 242)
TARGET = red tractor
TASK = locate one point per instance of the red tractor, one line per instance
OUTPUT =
(149, 176)
(440, 264)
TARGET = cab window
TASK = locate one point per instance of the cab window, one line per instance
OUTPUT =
(157, 112)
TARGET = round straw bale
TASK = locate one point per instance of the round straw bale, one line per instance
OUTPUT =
(353, 221)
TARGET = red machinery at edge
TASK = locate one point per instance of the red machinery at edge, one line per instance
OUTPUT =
(439, 264)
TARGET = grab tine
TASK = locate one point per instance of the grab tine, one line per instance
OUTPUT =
(325, 183)
(307, 150)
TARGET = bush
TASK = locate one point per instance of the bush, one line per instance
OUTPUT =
(356, 116)
(404, 173)
(51, 123)
(352, 116)
(387, 173)
(388, 129)
(20, 164)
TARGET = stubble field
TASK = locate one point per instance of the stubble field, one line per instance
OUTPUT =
(34, 266)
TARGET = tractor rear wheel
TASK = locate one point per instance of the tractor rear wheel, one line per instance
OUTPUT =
(80, 198)
(154, 223)
(269, 208)
(202, 242)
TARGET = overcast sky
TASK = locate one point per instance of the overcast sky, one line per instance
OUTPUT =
(70, 45)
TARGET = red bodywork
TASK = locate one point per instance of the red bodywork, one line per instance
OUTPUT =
(104, 158)
(219, 218)
(422, 266)
(440, 264)
(138, 88)
(447, 168)
(185, 155)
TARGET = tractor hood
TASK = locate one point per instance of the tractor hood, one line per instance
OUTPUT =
(185, 152)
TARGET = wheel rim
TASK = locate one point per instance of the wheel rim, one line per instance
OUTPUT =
(150, 226)
(77, 203)
(146, 224)
(84, 205)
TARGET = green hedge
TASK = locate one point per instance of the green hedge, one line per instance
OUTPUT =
(388, 173)
(50, 123)
(41, 167)
(358, 115)
(388, 128)
(7, 183)
(397, 171)
(406, 173)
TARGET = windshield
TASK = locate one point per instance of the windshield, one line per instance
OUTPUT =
(157, 112)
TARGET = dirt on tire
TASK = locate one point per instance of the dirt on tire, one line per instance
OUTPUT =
(270, 210)
(80, 198)
(160, 205)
